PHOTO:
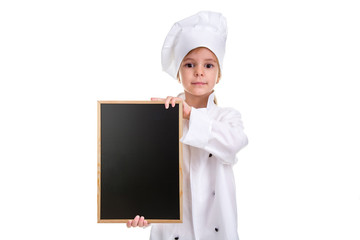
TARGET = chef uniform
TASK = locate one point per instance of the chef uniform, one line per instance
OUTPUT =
(211, 139)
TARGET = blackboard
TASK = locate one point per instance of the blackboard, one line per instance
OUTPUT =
(139, 161)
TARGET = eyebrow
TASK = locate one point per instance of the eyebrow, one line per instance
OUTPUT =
(206, 60)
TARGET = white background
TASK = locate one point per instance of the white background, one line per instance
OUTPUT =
(291, 68)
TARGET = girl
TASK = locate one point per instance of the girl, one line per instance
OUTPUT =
(193, 53)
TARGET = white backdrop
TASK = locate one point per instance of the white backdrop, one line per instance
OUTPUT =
(291, 69)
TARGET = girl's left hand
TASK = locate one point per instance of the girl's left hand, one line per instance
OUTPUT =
(186, 107)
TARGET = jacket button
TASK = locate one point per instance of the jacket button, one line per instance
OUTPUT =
(210, 155)
(213, 193)
(216, 229)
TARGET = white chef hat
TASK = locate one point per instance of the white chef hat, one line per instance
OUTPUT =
(204, 29)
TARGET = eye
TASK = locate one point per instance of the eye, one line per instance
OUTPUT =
(189, 65)
(209, 65)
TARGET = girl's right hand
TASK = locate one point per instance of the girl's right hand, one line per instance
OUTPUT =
(172, 100)
(137, 222)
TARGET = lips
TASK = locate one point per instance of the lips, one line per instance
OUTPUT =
(198, 83)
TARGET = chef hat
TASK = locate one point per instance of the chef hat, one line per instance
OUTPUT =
(204, 29)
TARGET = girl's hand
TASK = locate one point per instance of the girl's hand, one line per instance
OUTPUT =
(172, 100)
(137, 222)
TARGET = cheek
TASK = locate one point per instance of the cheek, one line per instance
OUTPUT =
(184, 76)
(215, 77)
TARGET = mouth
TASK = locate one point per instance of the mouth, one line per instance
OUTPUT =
(198, 83)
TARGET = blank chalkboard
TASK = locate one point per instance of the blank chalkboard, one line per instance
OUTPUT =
(139, 161)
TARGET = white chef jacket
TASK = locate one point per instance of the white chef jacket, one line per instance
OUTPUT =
(211, 138)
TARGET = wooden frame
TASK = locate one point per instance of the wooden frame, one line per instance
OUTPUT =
(99, 219)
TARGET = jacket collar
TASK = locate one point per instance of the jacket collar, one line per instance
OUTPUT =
(210, 102)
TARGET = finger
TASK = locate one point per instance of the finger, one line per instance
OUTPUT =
(128, 224)
(135, 222)
(141, 222)
(167, 101)
(173, 102)
(146, 223)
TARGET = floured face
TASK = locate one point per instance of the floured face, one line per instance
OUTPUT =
(199, 72)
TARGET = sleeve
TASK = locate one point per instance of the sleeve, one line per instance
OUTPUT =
(223, 138)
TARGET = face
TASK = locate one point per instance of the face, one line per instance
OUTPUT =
(199, 72)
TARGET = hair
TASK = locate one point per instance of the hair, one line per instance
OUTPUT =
(219, 75)
(215, 100)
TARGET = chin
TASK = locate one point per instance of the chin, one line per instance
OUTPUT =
(199, 93)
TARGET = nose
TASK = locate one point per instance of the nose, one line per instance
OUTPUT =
(199, 71)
